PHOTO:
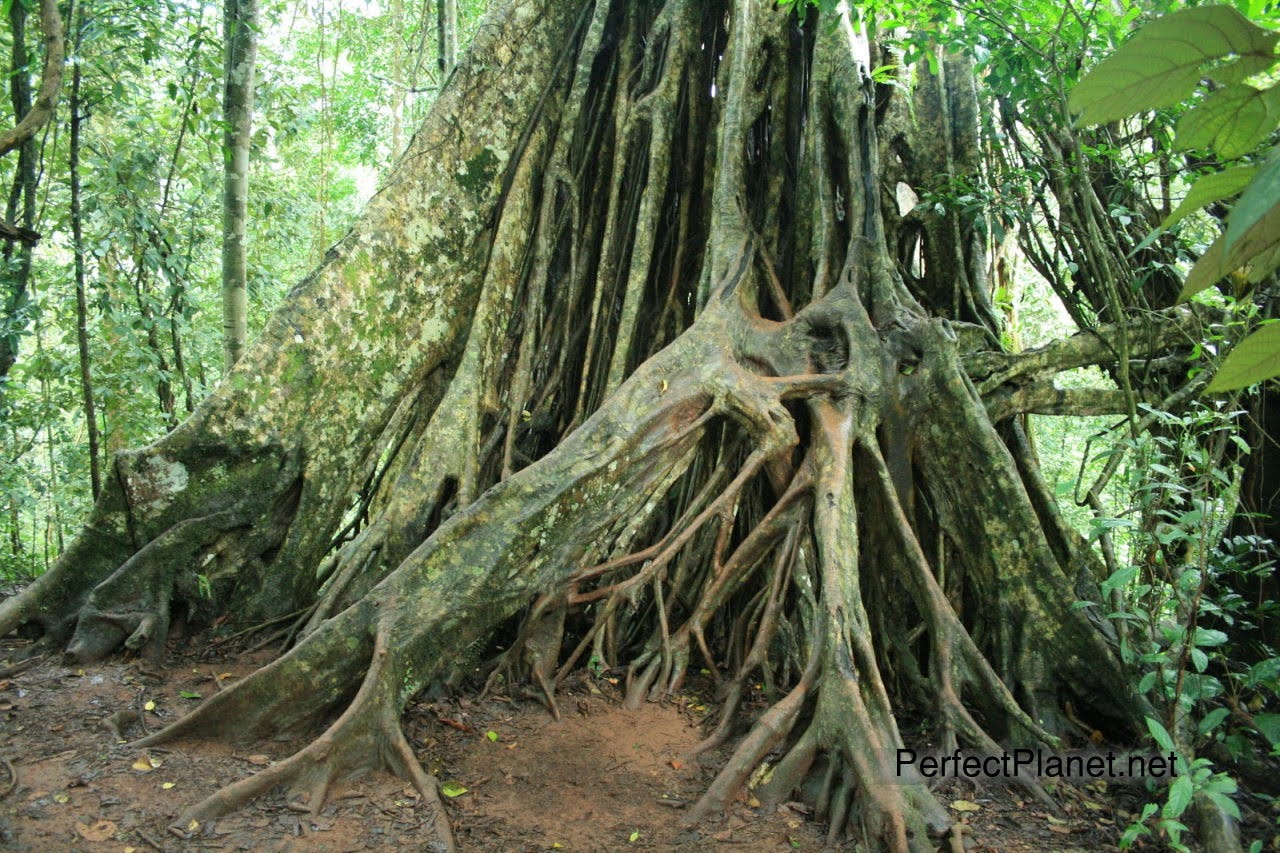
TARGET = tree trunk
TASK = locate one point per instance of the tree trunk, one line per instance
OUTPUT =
(240, 19)
(21, 208)
(621, 349)
(36, 113)
(446, 35)
(77, 248)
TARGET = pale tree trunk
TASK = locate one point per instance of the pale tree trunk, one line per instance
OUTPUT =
(446, 36)
(240, 20)
(622, 349)
(35, 113)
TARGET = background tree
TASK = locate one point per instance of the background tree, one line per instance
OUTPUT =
(240, 25)
(30, 114)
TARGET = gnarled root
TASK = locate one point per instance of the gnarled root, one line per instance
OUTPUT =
(367, 736)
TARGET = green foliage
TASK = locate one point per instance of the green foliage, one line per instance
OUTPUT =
(1174, 603)
(334, 81)
(1165, 64)
(1254, 358)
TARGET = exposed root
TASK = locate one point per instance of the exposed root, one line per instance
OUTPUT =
(367, 736)
(12, 773)
(22, 665)
(768, 733)
(652, 408)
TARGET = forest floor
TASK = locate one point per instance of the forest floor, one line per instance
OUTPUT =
(602, 779)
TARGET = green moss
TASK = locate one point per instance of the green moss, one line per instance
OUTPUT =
(479, 172)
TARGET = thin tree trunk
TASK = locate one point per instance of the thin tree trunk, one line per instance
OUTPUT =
(446, 36)
(77, 240)
(241, 21)
(22, 200)
(37, 113)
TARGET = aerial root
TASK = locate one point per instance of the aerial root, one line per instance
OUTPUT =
(767, 733)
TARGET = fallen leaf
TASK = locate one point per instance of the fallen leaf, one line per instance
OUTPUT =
(965, 806)
(452, 789)
(193, 826)
(143, 765)
(150, 706)
(61, 798)
(676, 765)
(1055, 821)
(634, 837)
(99, 830)
(492, 735)
(259, 759)
(1061, 830)
(168, 785)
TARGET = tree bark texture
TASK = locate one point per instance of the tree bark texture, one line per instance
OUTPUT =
(622, 357)
(20, 210)
(240, 25)
(37, 112)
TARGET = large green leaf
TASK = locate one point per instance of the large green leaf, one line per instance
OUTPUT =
(1257, 243)
(1231, 122)
(1241, 69)
(1210, 188)
(1263, 264)
(1180, 793)
(1161, 65)
(1269, 726)
(1260, 198)
(1254, 359)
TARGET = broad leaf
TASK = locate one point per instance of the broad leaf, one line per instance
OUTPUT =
(1269, 726)
(1260, 197)
(1210, 188)
(1241, 69)
(1212, 720)
(1231, 122)
(1258, 242)
(1160, 733)
(1179, 797)
(1254, 359)
(1208, 270)
(1225, 803)
(1263, 264)
(1161, 65)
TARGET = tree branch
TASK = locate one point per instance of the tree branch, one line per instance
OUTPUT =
(50, 80)
(1150, 334)
(1044, 398)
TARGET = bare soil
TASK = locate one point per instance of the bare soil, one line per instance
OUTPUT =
(602, 779)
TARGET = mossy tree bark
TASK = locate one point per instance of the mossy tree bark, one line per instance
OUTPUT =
(622, 351)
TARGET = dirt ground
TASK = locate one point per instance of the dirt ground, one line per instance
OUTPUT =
(602, 779)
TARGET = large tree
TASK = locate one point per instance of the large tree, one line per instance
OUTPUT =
(636, 355)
